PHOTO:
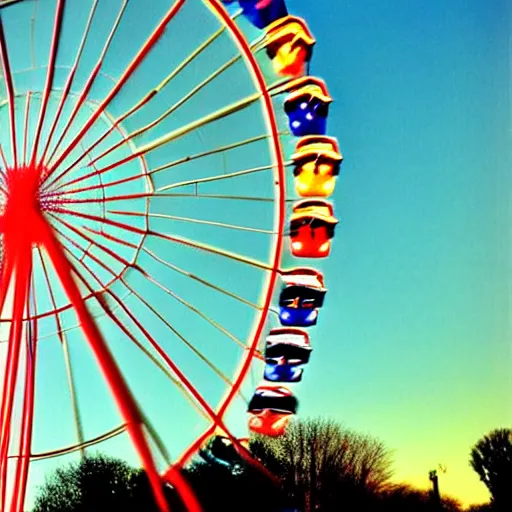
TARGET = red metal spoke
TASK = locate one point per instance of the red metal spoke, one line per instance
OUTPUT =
(175, 477)
(124, 400)
(161, 141)
(134, 64)
(152, 341)
(2, 157)
(152, 309)
(86, 252)
(175, 239)
(59, 11)
(175, 163)
(104, 248)
(89, 83)
(6, 67)
(110, 237)
(145, 99)
(169, 111)
(90, 188)
(124, 197)
(69, 81)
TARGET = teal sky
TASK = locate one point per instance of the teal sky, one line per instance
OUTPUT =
(413, 345)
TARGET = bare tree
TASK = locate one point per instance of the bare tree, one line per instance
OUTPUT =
(324, 466)
(491, 458)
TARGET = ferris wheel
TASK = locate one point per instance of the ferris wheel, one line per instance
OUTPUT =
(165, 183)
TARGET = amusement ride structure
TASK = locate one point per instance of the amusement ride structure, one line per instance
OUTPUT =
(166, 176)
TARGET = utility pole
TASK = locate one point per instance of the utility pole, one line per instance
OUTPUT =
(436, 496)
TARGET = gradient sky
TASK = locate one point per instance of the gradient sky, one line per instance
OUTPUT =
(415, 341)
(413, 345)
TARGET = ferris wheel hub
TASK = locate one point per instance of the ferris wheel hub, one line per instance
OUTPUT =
(24, 202)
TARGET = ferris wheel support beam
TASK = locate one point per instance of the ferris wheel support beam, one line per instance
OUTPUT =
(19, 249)
(25, 445)
(125, 401)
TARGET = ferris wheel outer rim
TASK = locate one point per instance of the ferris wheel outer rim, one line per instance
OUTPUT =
(280, 211)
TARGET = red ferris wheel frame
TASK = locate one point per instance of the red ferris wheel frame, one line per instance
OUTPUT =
(25, 185)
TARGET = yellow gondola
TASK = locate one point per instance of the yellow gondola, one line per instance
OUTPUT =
(317, 162)
(289, 45)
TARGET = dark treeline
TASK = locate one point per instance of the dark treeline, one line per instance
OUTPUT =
(318, 466)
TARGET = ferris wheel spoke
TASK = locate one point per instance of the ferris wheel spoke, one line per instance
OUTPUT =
(179, 374)
(190, 345)
(125, 401)
(88, 84)
(151, 95)
(175, 239)
(4, 160)
(197, 312)
(59, 11)
(211, 152)
(171, 109)
(6, 68)
(92, 242)
(194, 221)
(79, 446)
(201, 280)
(183, 380)
(58, 192)
(110, 237)
(69, 80)
(32, 35)
(219, 177)
(143, 101)
(164, 167)
(25, 444)
(25, 126)
(224, 197)
(173, 135)
(216, 419)
(67, 360)
(107, 310)
(134, 64)
(158, 314)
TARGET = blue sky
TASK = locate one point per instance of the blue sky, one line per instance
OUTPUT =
(414, 344)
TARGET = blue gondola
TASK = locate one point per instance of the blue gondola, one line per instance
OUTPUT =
(220, 450)
(307, 107)
(301, 297)
(261, 13)
(287, 352)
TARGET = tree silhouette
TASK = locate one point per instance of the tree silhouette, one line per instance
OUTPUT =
(96, 483)
(491, 458)
(485, 507)
(324, 466)
(219, 489)
(405, 498)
